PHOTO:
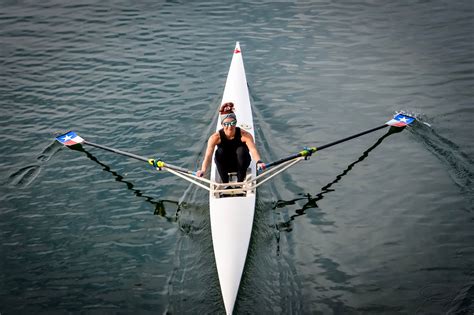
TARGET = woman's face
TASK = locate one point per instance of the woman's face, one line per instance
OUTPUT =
(229, 125)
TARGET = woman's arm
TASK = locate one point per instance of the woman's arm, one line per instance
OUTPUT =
(214, 140)
(247, 138)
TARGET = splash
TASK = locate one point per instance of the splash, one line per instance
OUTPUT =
(420, 117)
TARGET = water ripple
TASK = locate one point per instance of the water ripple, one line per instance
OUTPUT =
(78, 229)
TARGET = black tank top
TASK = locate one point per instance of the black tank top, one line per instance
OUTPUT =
(230, 145)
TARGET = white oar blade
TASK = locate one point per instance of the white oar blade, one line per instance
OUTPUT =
(400, 120)
(69, 138)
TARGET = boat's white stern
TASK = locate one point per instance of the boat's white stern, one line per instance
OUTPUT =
(231, 225)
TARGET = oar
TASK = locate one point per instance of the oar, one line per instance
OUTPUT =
(399, 120)
(71, 138)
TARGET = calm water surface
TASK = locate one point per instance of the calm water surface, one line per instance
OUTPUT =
(381, 224)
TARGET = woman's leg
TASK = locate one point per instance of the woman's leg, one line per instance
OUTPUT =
(222, 163)
(243, 162)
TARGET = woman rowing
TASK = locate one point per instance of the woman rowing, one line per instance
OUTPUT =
(234, 147)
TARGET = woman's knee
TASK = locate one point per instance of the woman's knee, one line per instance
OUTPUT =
(220, 156)
(242, 151)
(243, 155)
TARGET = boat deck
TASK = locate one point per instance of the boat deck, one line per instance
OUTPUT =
(234, 188)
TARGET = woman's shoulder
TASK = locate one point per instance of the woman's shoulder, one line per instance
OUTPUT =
(215, 137)
(245, 134)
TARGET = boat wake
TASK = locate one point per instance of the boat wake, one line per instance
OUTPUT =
(460, 166)
(463, 302)
(26, 175)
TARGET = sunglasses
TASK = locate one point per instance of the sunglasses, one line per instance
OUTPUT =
(230, 123)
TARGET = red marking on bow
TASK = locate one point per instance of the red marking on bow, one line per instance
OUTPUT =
(236, 51)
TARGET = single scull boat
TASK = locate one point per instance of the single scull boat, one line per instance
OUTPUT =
(232, 216)
(232, 210)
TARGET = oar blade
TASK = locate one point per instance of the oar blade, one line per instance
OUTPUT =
(69, 138)
(400, 120)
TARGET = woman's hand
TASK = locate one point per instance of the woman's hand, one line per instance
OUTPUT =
(261, 165)
(200, 173)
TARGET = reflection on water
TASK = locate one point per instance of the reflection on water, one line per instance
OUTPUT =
(159, 205)
(311, 201)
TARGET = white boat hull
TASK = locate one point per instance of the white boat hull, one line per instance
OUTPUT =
(232, 217)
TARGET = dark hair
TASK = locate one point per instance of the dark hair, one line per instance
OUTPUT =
(226, 108)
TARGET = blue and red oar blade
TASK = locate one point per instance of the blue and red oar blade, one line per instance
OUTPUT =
(69, 138)
(400, 120)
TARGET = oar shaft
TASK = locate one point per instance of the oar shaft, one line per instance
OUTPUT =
(350, 137)
(137, 157)
(283, 160)
(177, 168)
(131, 155)
(308, 151)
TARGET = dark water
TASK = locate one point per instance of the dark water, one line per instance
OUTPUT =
(381, 224)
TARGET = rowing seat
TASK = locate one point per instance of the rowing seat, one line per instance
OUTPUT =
(233, 179)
